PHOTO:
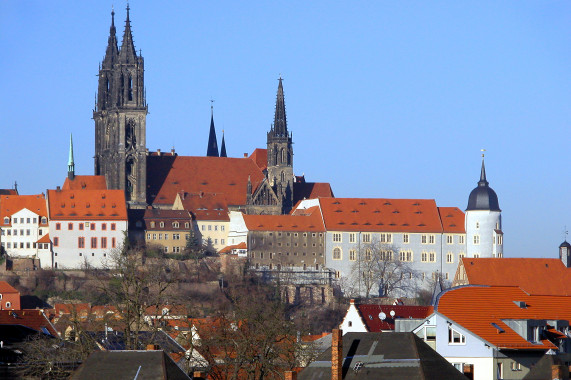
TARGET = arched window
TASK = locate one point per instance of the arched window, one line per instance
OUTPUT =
(130, 95)
(6, 220)
(337, 253)
(284, 156)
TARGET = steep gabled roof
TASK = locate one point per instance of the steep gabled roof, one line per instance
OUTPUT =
(381, 214)
(536, 276)
(310, 190)
(87, 205)
(452, 219)
(11, 204)
(168, 175)
(34, 319)
(205, 206)
(310, 221)
(260, 157)
(85, 182)
(7, 288)
(478, 308)
(370, 314)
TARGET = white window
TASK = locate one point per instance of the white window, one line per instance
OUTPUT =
(476, 239)
(337, 253)
(516, 366)
(405, 239)
(176, 236)
(222, 228)
(432, 257)
(366, 238)
(386, 238)
(405, 255)
(476, 255)
(450, 239)
(351, 238)
(430, 239)
(162, 224)
(337, 237)
(449, 257)
(352, 255)
(428, 334)
(500, 239)
(461, 239)
(424, 256)
(175, 225)
(424, 239)
(461, 256)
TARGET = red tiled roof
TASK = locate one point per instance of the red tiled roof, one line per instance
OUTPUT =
(231, 247)
(312, 338)
(452, 220)
(168, 175)
(67, 308)
(11, 204)
(7, 288)
(370, 315)
(87, 204)
(85, 182)
(167, 217)
(534, 275)
(310, 190)
(33, 319)
(205, 206)
(8, 192)
(311, 221)
(477, 307)
(44, 239)
(380, 214)
(260, 157)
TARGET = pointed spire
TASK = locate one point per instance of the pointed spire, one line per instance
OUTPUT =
(212, 149)
(128, 53)
(483, 181)
(223, 147)
(70, 163)
(112, 51)
(280, 123)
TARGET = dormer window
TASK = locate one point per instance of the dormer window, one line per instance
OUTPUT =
(162, 224)
(6, 220)
(44, 220)
(175, 224)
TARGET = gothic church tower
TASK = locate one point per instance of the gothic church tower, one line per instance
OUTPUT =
(120, 118)
(280, 155)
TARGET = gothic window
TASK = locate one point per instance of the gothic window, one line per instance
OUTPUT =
(130, 95)
(284, 156)
(283, 176)
(130, 136)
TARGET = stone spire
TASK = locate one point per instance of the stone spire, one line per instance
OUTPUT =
(212, 149)
(223, 147)
(112, 51)
(128, 53)
(280, 123)
(70, 163)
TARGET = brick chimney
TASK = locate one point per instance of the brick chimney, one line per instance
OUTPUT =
(337, 354)
(290, 375)
(559, 372)
(152, 347)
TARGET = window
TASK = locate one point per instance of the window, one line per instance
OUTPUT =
(6, 220)
(209, 227)
(477, 224)
(175, 225)
(58, 226)
(176, 236)
(93, 242)
(337, 253)
(430, 239)
(405, 239)
(148, 236)
(428, 334)
(387, 255)
(424, 256)
(154, 236)
(160, 236)
(450, 239)
(104, 226)
(8, 305)
(176, 249)
(461, 239)
(366, 238)
(516, 366)
(22, 220)
(405, 256)
(113, 226)
(449, 257)
(351, 238)
(92, 226)
(80, 242)
(203, 227)
(56, 242)
(44, 220)
(80, 226)
(476, 255)
(112, 242)
(352, 255)
(368, 255)
(461, 256)
(221, 241)
(27, 232)
(432, 257)
(222, 228)
(386, 238)
(104, 242)
(167, 237)
(500, 239)
(162, 224)
(476, 239)
(424, 239)
(40, 232)
(337, 237)
(70, 226)
(187, 225)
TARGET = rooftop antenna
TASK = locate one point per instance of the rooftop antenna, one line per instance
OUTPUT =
(565, 233)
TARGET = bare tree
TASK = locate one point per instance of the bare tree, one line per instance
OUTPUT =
(384, 268)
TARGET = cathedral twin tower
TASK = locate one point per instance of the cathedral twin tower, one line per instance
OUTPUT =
(120, 126)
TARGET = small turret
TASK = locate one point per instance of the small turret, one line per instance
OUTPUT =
(70, 163)
(212, 149)
(565, 253)
(223, 147)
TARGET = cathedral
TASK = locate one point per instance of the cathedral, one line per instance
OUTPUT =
(262, 183)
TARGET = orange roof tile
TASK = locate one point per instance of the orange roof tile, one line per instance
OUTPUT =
(44, 239)
(205, 206)
(87, 204)
(380, 214)
(168, 175)
(66, 308)
(168, 217)
(11, 204)
(229, 248)
(477, 307)
(33, 319)
(310, 190)
(7, 288)
(452, 220)
(8, 192)
(311, 221)
(260, 157)
(534, 275)
(85, 182)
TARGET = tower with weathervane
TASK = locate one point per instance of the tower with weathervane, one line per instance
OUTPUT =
(120, 118)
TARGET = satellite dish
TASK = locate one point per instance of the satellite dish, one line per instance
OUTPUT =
(382, 316)
(392, 313)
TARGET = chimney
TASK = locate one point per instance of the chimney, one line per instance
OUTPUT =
(245, 155)
(158, 152)
(337, 354)
(172, 151)
(558, 372)
(152, 347)
(290, 375)
(199, 375)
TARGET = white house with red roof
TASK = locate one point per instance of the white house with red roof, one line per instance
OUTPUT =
(86, 225)
(24, 227)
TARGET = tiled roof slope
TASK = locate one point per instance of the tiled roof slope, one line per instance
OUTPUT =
(380, 214)
(8, 192)
(534, 275)
(7, 288)
(310, 221)
(10, 204)
(34, 319)
(88, 182)
(168, 175)
(310, 190)
(87, 204)
(370, 315)
(205, 206)
(477, 307)
(260, 157)
(452, 219)
(169, 216)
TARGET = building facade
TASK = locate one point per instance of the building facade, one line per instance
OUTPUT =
(167, 230)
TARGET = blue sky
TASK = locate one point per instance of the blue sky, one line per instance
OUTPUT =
(384, 99)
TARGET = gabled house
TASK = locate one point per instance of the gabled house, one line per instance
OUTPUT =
(167, 230)
(9, 297)
(496, 332)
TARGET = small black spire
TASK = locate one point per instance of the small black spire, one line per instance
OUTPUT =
(280, 123)
(128, 54)
(223, 147)
(112, 51)
(483, 181)
(212, 149)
